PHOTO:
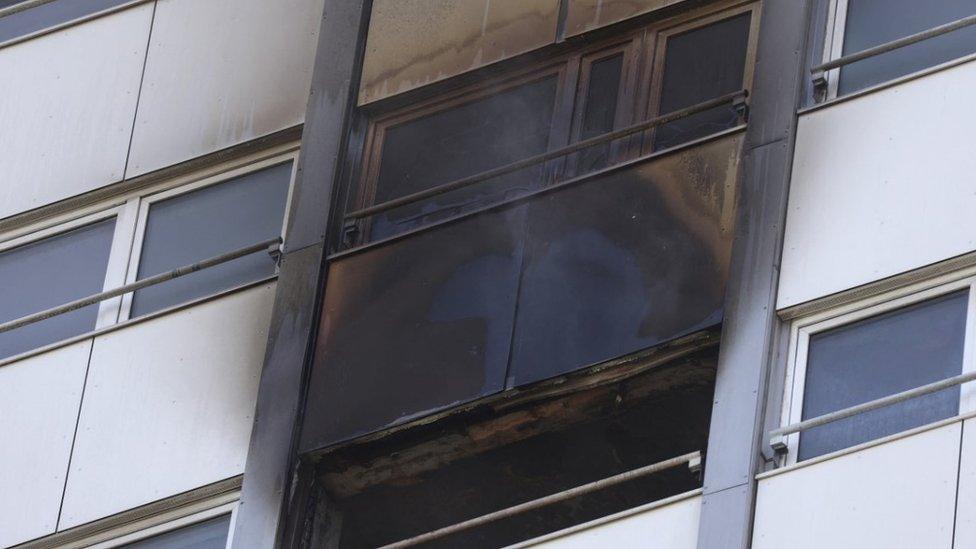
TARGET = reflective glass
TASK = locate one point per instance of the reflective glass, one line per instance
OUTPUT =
(205, 223)
(210, 534)
(48, 273)
(877, 357)
(874, 22)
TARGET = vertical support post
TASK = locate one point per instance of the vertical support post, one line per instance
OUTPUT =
(271, 462)
(751, 329)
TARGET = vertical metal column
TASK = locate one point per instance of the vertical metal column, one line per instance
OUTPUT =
(271, 457)
(751, 329)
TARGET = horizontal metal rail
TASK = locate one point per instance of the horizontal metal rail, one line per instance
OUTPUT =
(736, 98)
(818, 71)
(693, 460)
(270, 245)
(777, 437)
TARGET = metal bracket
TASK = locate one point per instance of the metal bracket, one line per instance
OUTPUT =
(695, 464)
(778, 444)
(274, 250)
(350, 233)
(819, 86)
(741, 107)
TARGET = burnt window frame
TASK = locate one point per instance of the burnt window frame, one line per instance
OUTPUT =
(639, 94)
(657, 45)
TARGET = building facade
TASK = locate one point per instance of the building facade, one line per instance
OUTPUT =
(488, 273)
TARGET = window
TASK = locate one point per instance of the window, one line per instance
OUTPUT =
(49, 272)
(573, 97)
(196, 225)
(851, 359)
(46, 15)
(863, 24)
(135, 237)
(470, 137)
(210, 534)
(702, 64)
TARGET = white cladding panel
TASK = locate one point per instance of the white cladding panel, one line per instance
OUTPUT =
(168, 406)
(966, 510)
(222, 72)
(881, 184)
(67, 101)
(900, 494)
(39, 401)
(671, 526)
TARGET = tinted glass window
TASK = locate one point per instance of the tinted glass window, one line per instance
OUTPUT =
(211, 534)
(49, 273)
(600, 109)
(699, 65)
(462, 141)
(878, 357)
(208, 222)
(873, 22)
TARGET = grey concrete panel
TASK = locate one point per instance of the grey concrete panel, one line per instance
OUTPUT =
(269, 457)
(750, 336)
(332, 95)
(265, 493)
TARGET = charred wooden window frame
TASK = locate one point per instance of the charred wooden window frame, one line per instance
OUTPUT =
(638, 98)
(803, 328)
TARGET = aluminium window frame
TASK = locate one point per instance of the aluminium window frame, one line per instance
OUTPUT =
(801, 329)
(145, 202)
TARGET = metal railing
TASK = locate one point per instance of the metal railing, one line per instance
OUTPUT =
(693, 460)
(736, 99)
(272, 246)
(777, 437)
(819, 72)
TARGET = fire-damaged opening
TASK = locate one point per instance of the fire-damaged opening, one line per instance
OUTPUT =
(523, 445)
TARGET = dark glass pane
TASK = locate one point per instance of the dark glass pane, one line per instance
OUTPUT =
(699, 65)
(878, 357)
(208, 222)
(625, 261)
(600, 110)
(49, 273)
(211, 534)
(874, 22)
(46, 15)
(459, 142)
(415, 325)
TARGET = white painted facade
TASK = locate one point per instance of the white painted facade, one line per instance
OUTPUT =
(139, 426)
(139, 413)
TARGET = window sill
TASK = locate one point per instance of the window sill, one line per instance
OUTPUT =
(865, 445)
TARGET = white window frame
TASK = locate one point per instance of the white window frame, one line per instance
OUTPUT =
(175, 524)
(147, 201)
(803, 328)
(124, 215)
(834, 43)
(130, 210)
